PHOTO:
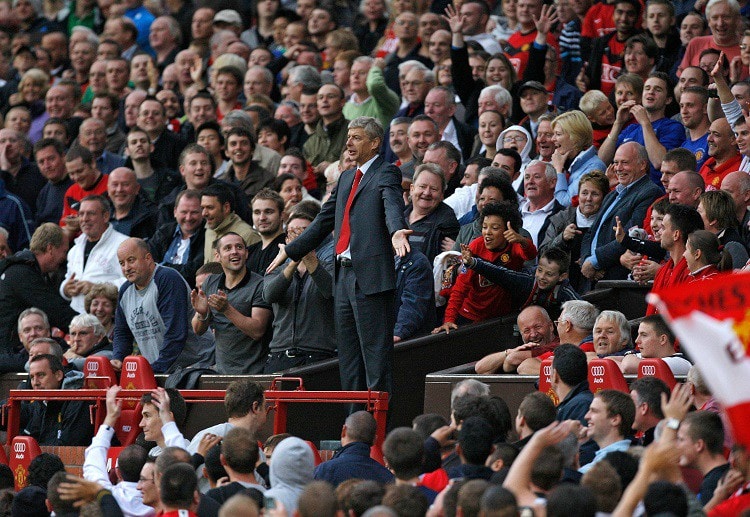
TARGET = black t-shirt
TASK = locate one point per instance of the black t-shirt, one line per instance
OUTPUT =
(258, 258)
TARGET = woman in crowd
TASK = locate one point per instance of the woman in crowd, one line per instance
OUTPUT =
(567, 228)
(574, 155)
(490, 127)
(704, 255)
(719, 217)
(373, 25)
(101, 301)
(499, 71)
(31, 92)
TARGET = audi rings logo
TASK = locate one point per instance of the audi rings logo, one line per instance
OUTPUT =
(547, 370)
(19, 448)
(597, 371)
(131, 367)
(93, 367)
(648, 369)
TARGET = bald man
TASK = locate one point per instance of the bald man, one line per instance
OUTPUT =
(737, 184)
(685, 188)
(133, 214)
(155, 311)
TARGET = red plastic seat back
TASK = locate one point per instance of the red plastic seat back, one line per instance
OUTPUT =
(606, 375)
(137, 374)
(3, 456)
(545, 380)
(316, 453)
(656, 368)
(23, 449)
(126, 428)
(98, 373)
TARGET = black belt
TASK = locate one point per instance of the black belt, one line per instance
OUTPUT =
(345, 262)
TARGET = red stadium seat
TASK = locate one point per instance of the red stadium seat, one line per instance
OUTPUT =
(23, 449)
(136, 374)
(98, 373)
(656, 368)
(316, 453)
(3, 456)
(606, 375)
(545, 380)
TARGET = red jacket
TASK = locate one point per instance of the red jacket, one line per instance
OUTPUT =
(476, 298)
(713, 174)
(668, 276)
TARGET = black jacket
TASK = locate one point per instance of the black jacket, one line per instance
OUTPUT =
(23, 285)
(159, 244)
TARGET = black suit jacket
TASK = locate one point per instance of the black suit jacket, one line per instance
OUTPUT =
(631, 210)
(376, 213)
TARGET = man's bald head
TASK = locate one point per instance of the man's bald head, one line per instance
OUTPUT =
(685, 188)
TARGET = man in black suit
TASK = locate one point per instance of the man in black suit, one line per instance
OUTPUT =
(367, 228)
(440, 106)
(600, 252)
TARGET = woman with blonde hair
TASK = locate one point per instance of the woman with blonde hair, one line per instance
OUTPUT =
(31, 92)
(101, 301)
(716, 208)
(574, 155)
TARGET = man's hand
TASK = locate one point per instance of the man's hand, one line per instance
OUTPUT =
(662, 459)
(4, 161)
(447, 327)
(199, 300)
(513, 236)
(645, 270)
(641, 115)
(280, 259)
(160, 399)
(400, 241)
(445, 435)
(630, 260)
(454, 19)
(207, 443)
(588, 270)
(623, 113)
(379, 62)
(728, 484)
(84, 286)
(78, 490)
(552, 434)
(72, 223)
(547, 18)
(582, 81)
(447, 244)
(114, 406)
(116, 364)
(196, 70)
(70, 289)
(219, 301)
(679, 402)
(619, 230)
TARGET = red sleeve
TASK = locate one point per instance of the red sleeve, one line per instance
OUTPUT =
(458, 294)
(527, 253)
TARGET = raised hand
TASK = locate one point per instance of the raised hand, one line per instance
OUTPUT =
(219, 301)
(199, 300)
(619, 230)
(400, 241)
(547, 18)
(114, 406)
(454, 19)
(582, 81)
(466, 256)
(280, 259)
(512, 236)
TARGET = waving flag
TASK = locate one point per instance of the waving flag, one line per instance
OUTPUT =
(711, 319)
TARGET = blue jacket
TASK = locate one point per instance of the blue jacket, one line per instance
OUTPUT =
(352, 461)
(567, 187)
(415, 296)
(576, 404)
(15, 216)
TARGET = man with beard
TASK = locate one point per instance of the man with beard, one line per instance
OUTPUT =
(267, 207)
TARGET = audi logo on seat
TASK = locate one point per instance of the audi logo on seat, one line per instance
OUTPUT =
(597, 371)
(648, 369)
(131, 367)
(547, 370)
(93, 367)
(19, 447)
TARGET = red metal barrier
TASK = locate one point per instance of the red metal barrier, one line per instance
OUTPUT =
(375, 402)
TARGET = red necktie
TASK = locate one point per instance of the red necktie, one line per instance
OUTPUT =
(346, 231)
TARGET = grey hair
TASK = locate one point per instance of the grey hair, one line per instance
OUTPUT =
(695, 378)
(88, 320)
(412, 64)
(4, 233)
(621, 321)
(91, 36)
(267, 74)
(640, 151)
(494, 172)
(54, 347)
(288, 103)
(30, 311)
(238, 118)
(380, 511)
(307, 75)
(450, 97)
(732, 4)
(549, 169)
(432, 168)
(372, 126)
(364, 59)
(501, 95)
(580, 313)
(174, 28)
(469, 387)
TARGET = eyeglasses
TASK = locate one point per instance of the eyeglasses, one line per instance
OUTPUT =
(558, 322)
(145, 480)
(511, 139)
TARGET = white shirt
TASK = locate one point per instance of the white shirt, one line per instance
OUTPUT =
(449, 135)
(533, 221)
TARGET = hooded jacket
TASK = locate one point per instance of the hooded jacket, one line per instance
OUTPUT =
(291, 470)
(525, 152)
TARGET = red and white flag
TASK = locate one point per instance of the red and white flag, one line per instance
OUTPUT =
(712, 321)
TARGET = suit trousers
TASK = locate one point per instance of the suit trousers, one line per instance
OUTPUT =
(364, 335)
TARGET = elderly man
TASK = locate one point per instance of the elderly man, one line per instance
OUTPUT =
(724, 21)
(737, 184)
(32, 323)
(685, 188)
(93, 258)
(421, 134)
(154, 311)
(93, 136)
(24, 283)
(370, 95)
(428, 217)
(165, 39)
(539, 181)
(538, 333)
(440, 106)
(600, 252)
(87, 338)
(21, 177)
(132, 213)
(55, 422)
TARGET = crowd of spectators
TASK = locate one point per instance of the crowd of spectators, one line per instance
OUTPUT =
(157, 157)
